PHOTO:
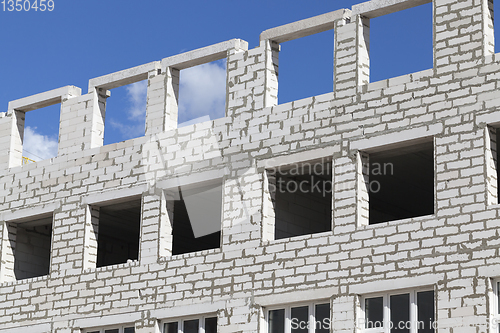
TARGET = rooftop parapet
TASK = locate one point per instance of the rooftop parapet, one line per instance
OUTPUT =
(44, 99)
(203, 55)
(376, 8)
(124, 77)
(306, 27)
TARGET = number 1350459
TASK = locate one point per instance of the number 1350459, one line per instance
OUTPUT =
(27, 5)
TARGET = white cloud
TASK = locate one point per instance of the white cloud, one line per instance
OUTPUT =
(37, 146)
(137, 94)
(129, 130)
(202, 91)
(134, 125)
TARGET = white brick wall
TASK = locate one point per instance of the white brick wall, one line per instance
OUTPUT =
(455, 251)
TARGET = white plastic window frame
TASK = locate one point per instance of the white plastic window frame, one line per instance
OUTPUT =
(180, 322)
(386, 309)
(495, 308)
(120, 328)
(288, 314)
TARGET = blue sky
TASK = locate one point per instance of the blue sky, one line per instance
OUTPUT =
(81, 40)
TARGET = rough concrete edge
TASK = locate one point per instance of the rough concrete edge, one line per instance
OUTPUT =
(376, 8)
(44, 99)
(304, 27)
(203, 55)
(21, 214)
(124, 77)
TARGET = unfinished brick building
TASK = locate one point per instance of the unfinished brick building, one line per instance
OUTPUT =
(98, 238)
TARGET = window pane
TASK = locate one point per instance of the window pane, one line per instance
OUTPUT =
(425, 306)
(211, 325)
(322, 318)
(300, 319)
(171, 328)
(129, 330)
(116, 330)
(191, 326)
(277, 321)
(374, 312)
(400, 313)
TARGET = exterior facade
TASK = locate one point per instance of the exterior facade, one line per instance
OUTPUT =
(373, 204)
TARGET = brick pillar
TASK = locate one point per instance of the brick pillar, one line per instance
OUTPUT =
(91, 236)
(82, 122)
(351, 55)
(461, 173)
(344, 315)
(8, 232)
(68, 244)
(346, 194)
(491, 165)
(252, 80)
(463, 33)
(156, 230)
(162, 101)
(11, 136)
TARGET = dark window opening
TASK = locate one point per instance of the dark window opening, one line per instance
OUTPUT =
(301, 319)
(192, 326)
(277, 321)
(196, 222)
(400, 312)
(374, 312)
(31, 246)
(401, 43)
(119, 233)
(404, 311)
(401, 183)
(302, 199)
(425, 311)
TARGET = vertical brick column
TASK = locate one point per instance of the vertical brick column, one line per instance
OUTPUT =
(345, 197)
(8, 232)
(82, 122)
(351, 55)
(156, 230)
(68, 243)
(91, 236)
(343, 314)
(461, 177)
(491, 165)
(463, 33)
(252, 80)
(162, 101)
(12, 132)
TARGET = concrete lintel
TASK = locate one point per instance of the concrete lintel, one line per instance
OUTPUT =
(397, 139)
(303, 28)
(115, 195)
(203, 55)
(376, 8)
(395, 284)
(30, 213)
(124, 77)
(297, 158)
(189, 310)
(296, 296)
(194, 180)
(44, 99)
(114, 319)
